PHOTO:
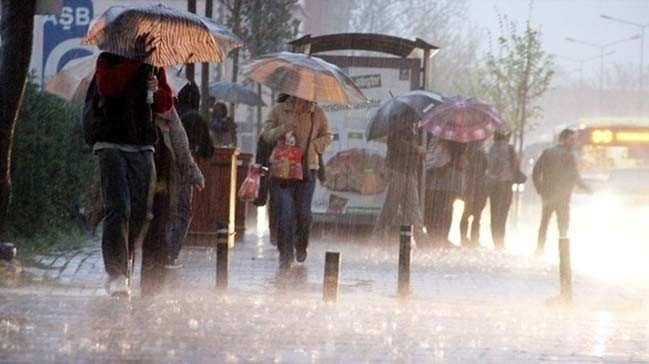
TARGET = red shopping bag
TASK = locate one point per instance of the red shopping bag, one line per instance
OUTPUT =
(249, 189)
(286, 161)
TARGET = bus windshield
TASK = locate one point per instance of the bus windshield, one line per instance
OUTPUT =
(602, 150)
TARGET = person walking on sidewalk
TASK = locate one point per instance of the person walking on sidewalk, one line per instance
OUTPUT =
(292, 199)
(124, 148)
(445, 182)
(475, 194)
(189, 139)
(222, 128)
(402, 164)
(555, 175)
(501, 167)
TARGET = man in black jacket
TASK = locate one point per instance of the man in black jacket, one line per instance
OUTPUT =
(124, 145)
(555, 175)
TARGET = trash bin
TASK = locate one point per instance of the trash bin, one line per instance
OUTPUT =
(217, 202)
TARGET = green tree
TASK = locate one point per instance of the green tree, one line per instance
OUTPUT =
(51, 167)
(516, 76)
(17, 27)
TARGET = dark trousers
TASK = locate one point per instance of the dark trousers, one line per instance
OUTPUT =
(562, 209)
(473, 207)
(272, 220)
(439, 214)
(126, 185)
(500, 199)
(156, 248)
(291, 203)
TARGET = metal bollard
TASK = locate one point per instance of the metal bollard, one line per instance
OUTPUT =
(331, 273)
(565, 270)
(405, 248)
(222, 235)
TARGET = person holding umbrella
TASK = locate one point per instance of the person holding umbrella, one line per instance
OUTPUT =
(292, 199)
(138, 42)
(124, 149)
(445, 183)
(402, 164)
(457, 121)
(397, 120)
(306, 79)
(475, 194)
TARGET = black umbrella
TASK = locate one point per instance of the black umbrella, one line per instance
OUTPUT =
(400, 112)
(235, 93)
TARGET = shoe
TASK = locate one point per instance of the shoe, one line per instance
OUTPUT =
(540, 250)
(173, 264)
(118, 287)
(300, 255)
(284, 265)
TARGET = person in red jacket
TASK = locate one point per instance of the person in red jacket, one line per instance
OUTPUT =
(124, 147)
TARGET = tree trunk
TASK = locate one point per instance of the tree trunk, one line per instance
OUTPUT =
(17, 33)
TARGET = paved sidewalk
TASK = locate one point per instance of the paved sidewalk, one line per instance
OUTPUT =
(473, 306)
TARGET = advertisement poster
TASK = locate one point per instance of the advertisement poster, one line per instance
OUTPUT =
(355, 186)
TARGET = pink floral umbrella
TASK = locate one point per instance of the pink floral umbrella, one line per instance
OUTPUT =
(461, 119)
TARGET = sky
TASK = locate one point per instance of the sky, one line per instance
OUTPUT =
(578, 19)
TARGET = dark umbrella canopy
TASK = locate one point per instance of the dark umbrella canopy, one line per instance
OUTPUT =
(401, 112)
(461, 119)
(235, 93)
(161, 36)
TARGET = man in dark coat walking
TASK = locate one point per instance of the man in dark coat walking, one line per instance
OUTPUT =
(555, 175)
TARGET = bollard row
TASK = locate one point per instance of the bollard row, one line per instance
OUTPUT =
(332, 265)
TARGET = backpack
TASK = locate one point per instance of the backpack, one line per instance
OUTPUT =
(94, 113)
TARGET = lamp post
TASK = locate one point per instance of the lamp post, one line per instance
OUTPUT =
(602, 47)
(642, 27)
(581, 61)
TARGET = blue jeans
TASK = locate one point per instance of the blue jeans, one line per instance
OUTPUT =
(127, 180)
(292, 206)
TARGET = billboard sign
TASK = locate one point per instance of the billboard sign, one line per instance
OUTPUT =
(62, 35)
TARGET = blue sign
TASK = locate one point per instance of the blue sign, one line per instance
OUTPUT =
(62, 35)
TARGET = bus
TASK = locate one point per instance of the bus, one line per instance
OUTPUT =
(605, 145)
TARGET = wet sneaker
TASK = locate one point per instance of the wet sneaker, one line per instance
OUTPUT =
(173, 264)
(118, 287)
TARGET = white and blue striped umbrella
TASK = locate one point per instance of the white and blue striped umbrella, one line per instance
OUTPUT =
(161, 36)
(71, 83)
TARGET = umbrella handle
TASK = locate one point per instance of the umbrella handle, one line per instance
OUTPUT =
(149, 92)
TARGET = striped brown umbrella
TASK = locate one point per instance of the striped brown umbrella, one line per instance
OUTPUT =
(304, 76)
(461, 119)
(161, 36)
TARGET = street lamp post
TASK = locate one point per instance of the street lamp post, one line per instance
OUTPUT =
(642, 27)
(581, 61)
(602, 48)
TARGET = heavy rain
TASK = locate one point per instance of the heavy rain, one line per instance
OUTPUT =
(324, 181)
